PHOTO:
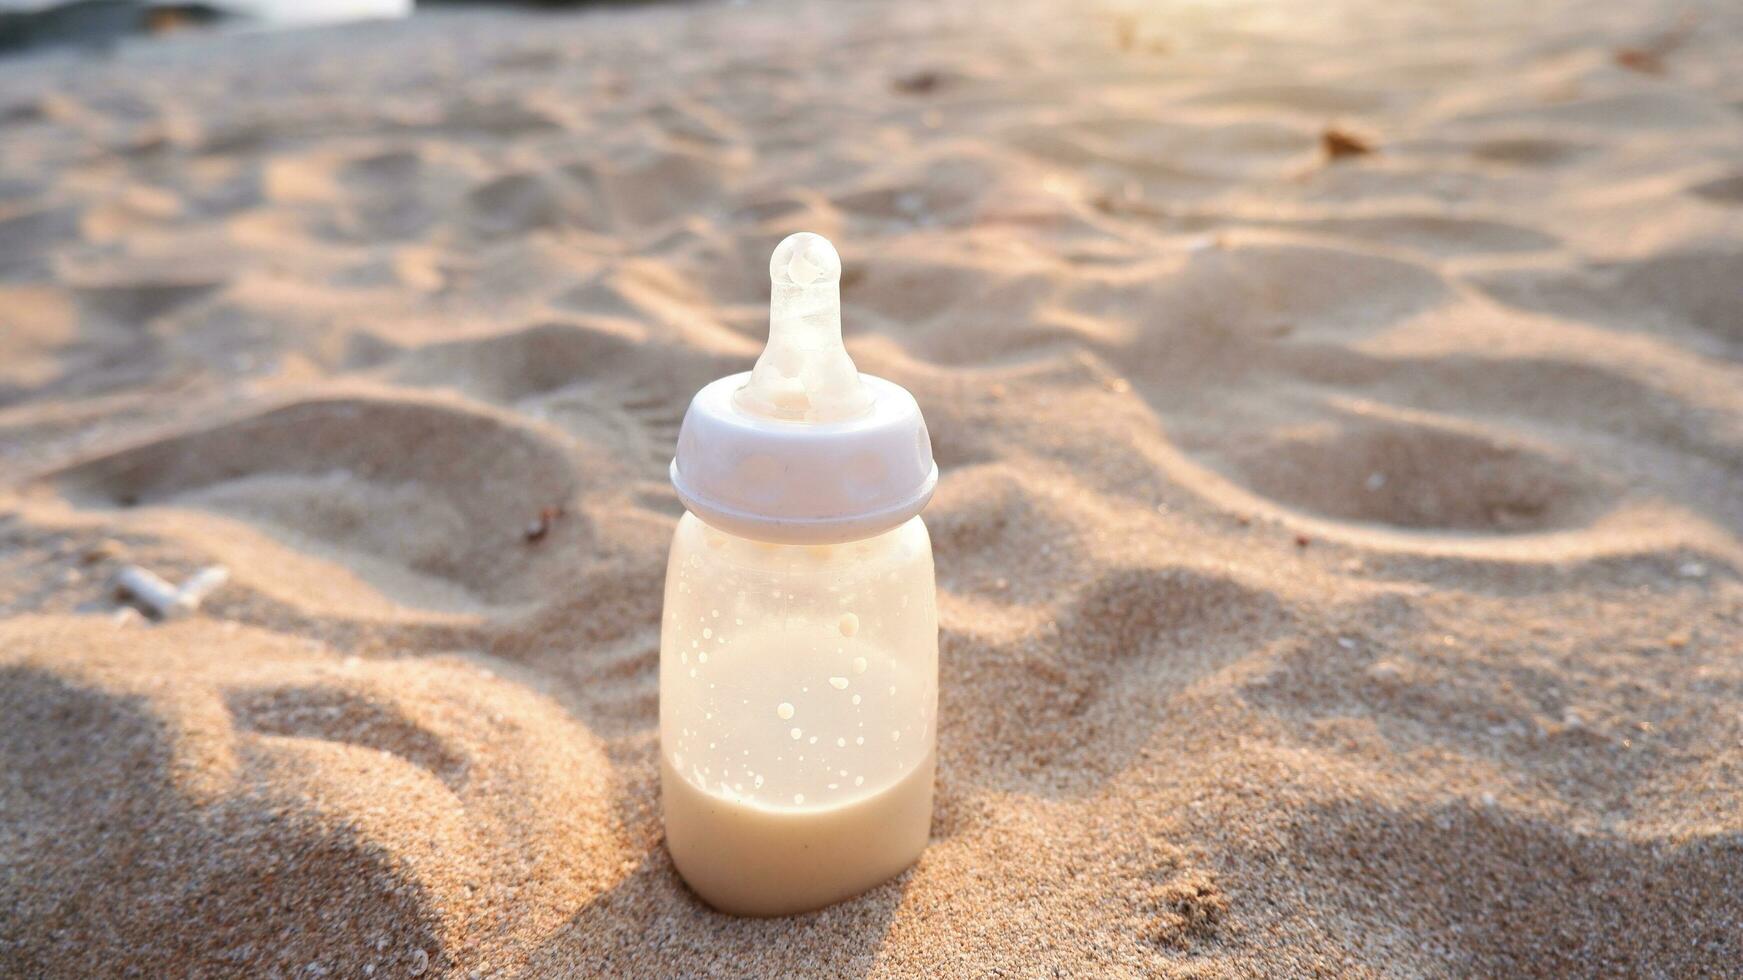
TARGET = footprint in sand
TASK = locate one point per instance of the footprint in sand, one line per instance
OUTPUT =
(1416, 474)
(653, 185)
(1304, 292)
(1691, 293)
(511, 205)
(611, 387)
(345, 478)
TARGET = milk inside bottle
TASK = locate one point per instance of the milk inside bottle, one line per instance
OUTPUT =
(799, 645)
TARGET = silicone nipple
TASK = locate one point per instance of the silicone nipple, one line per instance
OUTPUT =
(804, 374)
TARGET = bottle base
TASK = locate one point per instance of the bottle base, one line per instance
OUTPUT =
(747, 859)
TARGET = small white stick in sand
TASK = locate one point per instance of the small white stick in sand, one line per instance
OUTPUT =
(163, 600)
(203, 583)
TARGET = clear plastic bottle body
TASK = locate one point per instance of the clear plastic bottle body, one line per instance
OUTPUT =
(798, 701)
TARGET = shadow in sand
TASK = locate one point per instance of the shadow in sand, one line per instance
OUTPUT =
(1352, 691)
(1072, 706)
(1687, 296)
(112, 869)
(1496, 893)
(650, 924)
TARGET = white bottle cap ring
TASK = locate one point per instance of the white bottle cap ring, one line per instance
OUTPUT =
(804, 483)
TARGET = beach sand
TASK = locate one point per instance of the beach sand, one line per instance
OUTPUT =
(1339, 406)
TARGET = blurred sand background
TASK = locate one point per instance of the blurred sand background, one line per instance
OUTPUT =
(1340, 409)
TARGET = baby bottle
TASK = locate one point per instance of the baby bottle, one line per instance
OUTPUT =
(799, 647)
